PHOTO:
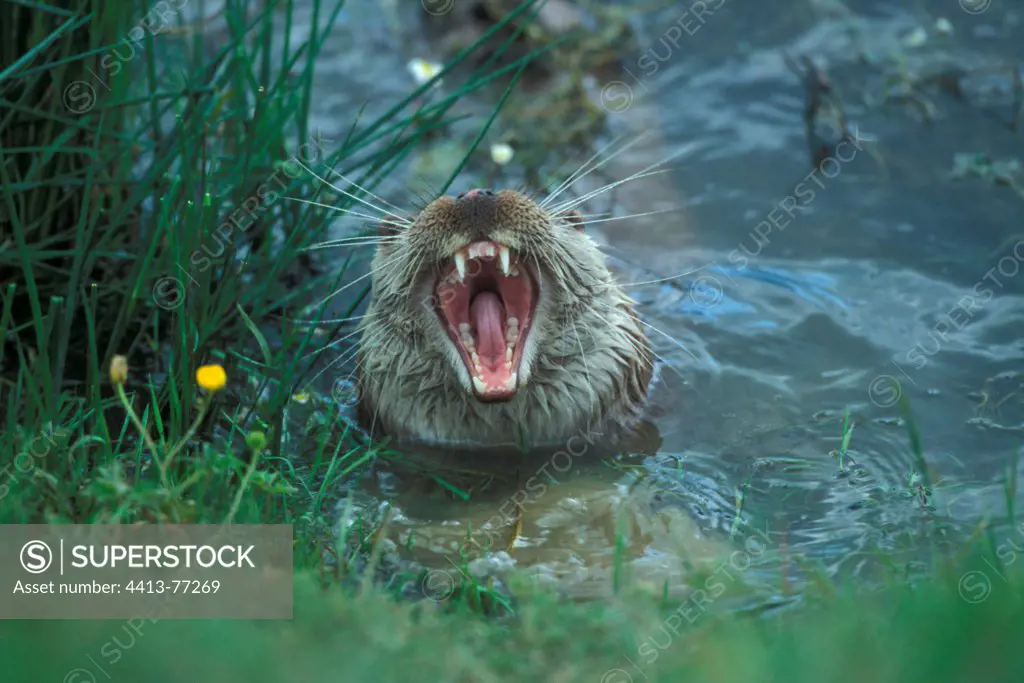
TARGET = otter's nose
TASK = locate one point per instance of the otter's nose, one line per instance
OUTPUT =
(477, 211)
(472, 194)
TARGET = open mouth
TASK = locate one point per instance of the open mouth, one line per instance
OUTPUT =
(486, 299)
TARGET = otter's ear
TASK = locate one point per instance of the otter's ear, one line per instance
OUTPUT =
(575, 219)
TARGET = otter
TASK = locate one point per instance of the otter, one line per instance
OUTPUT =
(495, 321)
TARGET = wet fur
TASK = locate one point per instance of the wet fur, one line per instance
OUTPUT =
(586, 365)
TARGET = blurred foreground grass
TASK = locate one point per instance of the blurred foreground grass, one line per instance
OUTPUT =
(149, 210)
(924, 635)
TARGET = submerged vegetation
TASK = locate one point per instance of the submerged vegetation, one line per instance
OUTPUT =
(160, 198)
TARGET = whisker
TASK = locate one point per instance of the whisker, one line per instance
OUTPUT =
(351, 243)
(573, 203)
(358, 239)
(635, 215)
(588, 216)
(631, 341)
(379, 334)
(640, 350)
(424, 197)
(331, 321)
(346, 355)
(359, 279)
(340, 358)
(330, 345)
(384, 214)
(583, 354)
(562, 186)
(662, 279)
(367, 191)
(364, 236)
(642, 173)
(568, 182)
(570, 204)
(669, 337)
(391, 219)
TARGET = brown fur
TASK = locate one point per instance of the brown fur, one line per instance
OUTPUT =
(586, 364)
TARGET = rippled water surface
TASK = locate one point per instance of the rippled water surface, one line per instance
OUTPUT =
(889, 279)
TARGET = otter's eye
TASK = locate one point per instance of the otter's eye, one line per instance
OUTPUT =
(389, 228)
(574, 219)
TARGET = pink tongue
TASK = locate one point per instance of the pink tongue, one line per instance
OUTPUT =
(486, 314)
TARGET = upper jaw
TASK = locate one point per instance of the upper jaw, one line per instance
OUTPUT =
(486, 299)
(482, 249)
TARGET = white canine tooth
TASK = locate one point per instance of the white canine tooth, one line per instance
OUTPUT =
(460, 265)
(508, 355)
(510, 383)
(465, 328)
(513, 323)
(503, 253)
(479, 385)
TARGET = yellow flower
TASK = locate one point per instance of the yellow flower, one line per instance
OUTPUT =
(211, 377)
(119, 370)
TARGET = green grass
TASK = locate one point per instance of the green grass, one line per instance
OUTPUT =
(111, 216)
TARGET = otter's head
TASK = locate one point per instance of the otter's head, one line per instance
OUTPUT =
(489, 281)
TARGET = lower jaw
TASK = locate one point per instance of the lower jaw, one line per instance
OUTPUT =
(495, 398)
(497, 383)
(493, 384)
(494, 389)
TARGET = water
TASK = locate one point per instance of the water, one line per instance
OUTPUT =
(772, 330)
